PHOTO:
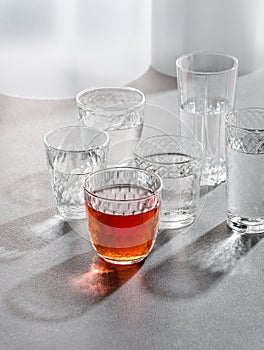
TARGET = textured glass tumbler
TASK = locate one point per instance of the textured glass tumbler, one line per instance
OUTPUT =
(72, 153)
(123, 208)
(177, 160)
(245, 170)
(206, 91)
(120, 112)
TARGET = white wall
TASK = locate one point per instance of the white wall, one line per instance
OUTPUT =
(55, 48)
(233, 27)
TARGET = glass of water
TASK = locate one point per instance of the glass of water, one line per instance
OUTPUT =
(206, 90)
(177, 160)
(245, 170)
(72, 153)
(120, 112)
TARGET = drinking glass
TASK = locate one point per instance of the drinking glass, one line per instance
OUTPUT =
(123, 207)
(245, 170)
(206, 90)
(177, 160)
(72, 153)
(117, 110)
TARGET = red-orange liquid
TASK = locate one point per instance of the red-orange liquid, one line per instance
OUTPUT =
(123, 237)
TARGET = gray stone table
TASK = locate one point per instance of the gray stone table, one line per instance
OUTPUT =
(200, 288)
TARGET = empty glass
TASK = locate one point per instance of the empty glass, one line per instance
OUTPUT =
(178, 161)
(72, 153)
(245, 170)
(120, 112)
(206, 90)
(123, 208)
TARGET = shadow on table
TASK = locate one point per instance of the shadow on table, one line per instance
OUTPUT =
(30, 233)
(199, 266)
(68, 289)
(30, 191)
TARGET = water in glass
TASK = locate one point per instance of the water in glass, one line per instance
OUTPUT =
(204, 119)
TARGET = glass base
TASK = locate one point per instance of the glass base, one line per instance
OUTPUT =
(176, 222)
(245, 225)
(122, 262)
(72, 212)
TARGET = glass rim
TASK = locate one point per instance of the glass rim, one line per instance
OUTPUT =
(154, 193)
(137, 105)
(208, 53)
(194, 143)
(237, 112)
(53, 131)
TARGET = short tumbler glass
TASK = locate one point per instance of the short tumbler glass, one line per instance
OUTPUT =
(245, 170)
(72, 153)
(123, 207)
(120, 112)
(178, 161)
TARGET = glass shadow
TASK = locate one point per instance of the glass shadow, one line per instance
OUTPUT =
(29, 233)
(199, 266)
(68, 289)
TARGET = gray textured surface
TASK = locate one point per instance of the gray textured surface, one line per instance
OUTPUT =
(201, 288)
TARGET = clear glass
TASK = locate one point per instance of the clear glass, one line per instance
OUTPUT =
(120, 112)
(123, 208)
(177, 160)
(245, 170)
(206, 91)
(72, 153)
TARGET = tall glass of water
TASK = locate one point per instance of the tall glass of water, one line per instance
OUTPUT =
(245, 170)
(206, 90)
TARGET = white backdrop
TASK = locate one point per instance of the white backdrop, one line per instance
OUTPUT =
(234, 27)
(55, 48)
